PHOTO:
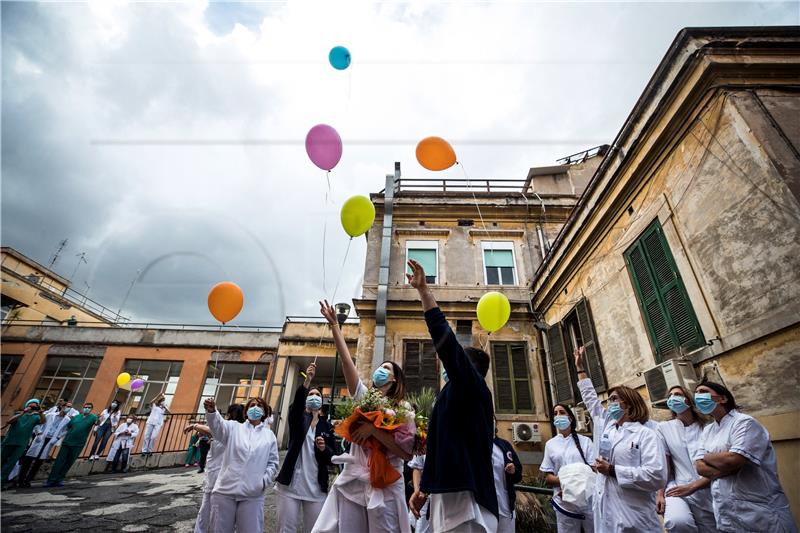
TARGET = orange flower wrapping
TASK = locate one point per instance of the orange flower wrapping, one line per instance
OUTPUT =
(381, 472)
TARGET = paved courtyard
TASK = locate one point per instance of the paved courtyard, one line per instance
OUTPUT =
(161, 500)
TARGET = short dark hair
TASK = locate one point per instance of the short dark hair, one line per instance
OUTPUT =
(721, 390)
(480, 359)
(236, 412)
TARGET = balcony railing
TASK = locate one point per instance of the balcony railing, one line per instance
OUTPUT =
(459, 185)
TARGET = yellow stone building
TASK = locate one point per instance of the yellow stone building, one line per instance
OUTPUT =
(682, 258)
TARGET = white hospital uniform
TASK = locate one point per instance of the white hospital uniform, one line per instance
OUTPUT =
(695, 512)
(54, 410)
(422, 524)
(213, 464)
(249, 465)
(54, 429)
(353, 504)
(152, 427)
(123, 442)
(505, 514)
(627, 503)
(560, 451)
(303, 495)
(752, 499)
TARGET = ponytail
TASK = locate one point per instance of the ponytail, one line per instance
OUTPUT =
(578, 445)
(573, 423)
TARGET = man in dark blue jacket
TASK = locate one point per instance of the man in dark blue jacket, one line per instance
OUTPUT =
(458, 466)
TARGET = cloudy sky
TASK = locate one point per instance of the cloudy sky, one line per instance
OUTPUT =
(165, 140)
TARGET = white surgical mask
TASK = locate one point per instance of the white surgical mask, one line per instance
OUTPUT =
(129, 421)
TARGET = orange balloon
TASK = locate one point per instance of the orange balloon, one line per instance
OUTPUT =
(434, 153)
(225, 301)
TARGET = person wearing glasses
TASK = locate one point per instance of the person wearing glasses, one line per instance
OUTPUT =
(630, 459)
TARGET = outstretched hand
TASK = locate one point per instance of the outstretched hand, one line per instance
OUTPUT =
(328, 312)
(417, 278)
(578, 353)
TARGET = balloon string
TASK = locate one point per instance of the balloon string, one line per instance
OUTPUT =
(478, 207)
(216, 353)
(341, 270)
(324, 236)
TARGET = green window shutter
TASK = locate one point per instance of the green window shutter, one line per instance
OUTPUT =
(669, 316)
(429, 365)
(498, 258)
(592, 360)
(523, 402)
(560, 366)
(426, 258)
(512, 382)
(411, 366)
(504, 394)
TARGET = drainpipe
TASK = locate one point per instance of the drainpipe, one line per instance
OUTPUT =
(378, 355)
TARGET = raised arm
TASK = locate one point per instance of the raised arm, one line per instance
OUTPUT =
(219, 428)
(588, 394)
(348, 366)
(418, 280)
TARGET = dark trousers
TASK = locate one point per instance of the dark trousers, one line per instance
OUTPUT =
(11, 454)
(204, 446)
(101, 439)
(120, 460)
(29, 466)
(67, 456)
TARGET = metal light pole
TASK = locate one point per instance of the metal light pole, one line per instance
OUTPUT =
(342, 311)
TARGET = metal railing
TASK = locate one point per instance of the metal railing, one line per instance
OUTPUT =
(461, 185)
(153, 325)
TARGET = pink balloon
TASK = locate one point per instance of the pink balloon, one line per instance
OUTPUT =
(137, 384)
(324, 146)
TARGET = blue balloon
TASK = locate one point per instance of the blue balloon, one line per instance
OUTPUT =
(339, 57)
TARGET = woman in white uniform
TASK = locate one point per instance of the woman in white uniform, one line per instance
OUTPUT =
(353, 504)
(124, 438)
(303, 479)
(630, 459)
(213, 464)
(249, 465)
(686, 503)
(736, 454)
(565, 448)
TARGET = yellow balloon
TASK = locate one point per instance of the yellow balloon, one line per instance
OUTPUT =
(494, 310)
(357, 215)
(123, 379)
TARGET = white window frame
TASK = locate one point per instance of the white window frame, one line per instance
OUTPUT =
(499, 245)
(423, 245)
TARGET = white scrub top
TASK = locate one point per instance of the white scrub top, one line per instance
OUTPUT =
(626, 503)
(500, 485)
(105, 415)
(249, 460)
(156, 417)
(126, 441)
(681, 444)
(560, 451)
(751, 499)
(55, 428)
(304, 484)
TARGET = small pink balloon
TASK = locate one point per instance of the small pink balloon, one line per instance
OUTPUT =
(324, 146)
(137, 384)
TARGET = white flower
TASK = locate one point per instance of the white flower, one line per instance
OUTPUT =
(390, 412)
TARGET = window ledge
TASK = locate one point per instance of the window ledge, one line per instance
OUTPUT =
(496, 232)
(403, 232)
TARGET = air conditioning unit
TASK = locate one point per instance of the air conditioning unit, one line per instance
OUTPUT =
(672, 373)
(525, 432)
(581, 425)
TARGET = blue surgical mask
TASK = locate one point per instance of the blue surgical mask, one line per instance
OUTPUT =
(561, 422)
(615, 411)
(444, 376)
(677, 404)
(255, 413)
(313, 402)
(704, 402)
(380, 377)
(87, 410)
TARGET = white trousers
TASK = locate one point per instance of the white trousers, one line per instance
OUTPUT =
(506, 525)
(150, 436)
(290, 509)
(565, 524)
(203, 524)
(354, 517)
(229, 515)
(680, 516)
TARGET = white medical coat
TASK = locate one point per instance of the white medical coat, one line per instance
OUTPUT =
(751, 499)
(55, 427)
(681, 444)
(249, 460)
(626, 503)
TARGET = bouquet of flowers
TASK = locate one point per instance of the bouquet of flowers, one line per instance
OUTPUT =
(421, 437)
(376, 409)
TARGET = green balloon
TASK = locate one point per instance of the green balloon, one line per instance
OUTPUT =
(357, 215)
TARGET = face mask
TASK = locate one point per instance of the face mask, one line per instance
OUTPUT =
(113, 404)
(704, 402)
(444, 376)
(615, 411)
(313, 402)
(129, 421)
(255, 413)
(380, 377)
(87, 410)
(677, 404)
(561, 422)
